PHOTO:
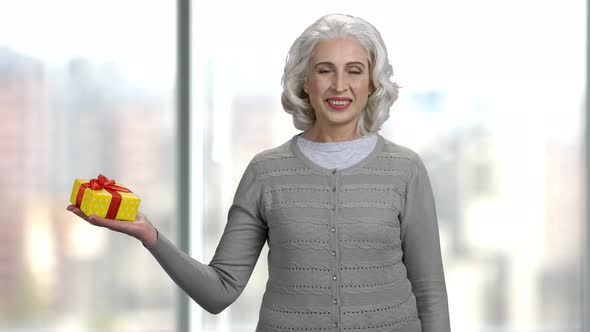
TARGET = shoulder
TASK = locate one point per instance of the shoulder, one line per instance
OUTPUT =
(281, 151)
(401, 154)
(271, 158)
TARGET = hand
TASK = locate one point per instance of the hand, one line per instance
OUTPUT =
(141, 228)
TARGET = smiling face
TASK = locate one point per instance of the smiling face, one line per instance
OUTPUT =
(338, 83)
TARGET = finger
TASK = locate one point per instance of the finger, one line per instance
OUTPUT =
(79, 213)
(100, 221)
(72, 208)
(92, 219)
(113, 224)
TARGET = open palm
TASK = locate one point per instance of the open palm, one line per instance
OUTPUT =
(141, 228)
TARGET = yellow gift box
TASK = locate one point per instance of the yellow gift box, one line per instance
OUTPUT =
(104, 198)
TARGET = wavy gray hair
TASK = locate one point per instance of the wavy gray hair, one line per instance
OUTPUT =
(385, 91)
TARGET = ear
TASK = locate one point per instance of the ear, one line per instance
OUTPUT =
(305, 86)
(371, 88)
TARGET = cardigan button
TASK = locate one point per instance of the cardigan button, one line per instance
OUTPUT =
(333, 253)
(333, 229)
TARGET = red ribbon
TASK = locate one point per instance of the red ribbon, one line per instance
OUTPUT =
(102, 182)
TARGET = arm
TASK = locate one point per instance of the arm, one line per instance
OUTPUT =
(421, 248)
(217, 285)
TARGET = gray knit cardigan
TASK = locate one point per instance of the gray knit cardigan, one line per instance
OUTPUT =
(350, 250)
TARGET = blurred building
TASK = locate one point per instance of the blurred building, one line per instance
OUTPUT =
(125, 134)
(22, 98)
(62, 122)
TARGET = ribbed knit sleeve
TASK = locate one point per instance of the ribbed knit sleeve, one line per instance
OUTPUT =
(217, 285)
(422, 255)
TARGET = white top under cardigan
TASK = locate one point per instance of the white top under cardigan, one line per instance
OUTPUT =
(338, 155)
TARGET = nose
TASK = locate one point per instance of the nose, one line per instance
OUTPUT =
(339, 83)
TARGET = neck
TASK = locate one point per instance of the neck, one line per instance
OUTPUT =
(316, 134)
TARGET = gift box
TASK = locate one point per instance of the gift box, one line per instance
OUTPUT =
(104, 198)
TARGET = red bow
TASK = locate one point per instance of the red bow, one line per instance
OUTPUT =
(102, 182)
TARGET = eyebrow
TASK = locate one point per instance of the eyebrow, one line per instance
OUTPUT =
(331, 64)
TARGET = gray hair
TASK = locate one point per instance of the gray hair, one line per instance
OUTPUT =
(385, 91)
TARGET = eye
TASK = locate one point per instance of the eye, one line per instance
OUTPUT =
(324, 71)
(355, 71)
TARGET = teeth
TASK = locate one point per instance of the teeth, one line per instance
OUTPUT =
(338, 102)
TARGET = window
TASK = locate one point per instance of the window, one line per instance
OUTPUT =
(85, 88)
(492, 100)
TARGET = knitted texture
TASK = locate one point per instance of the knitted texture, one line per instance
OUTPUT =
(355, 249)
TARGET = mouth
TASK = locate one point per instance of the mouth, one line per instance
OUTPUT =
(338, 103)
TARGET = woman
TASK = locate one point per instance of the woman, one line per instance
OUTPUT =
(349, 216)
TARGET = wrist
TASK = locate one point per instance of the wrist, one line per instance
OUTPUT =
(151, 239)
